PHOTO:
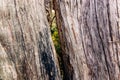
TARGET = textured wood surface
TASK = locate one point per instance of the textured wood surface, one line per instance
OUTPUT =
(26, 48)
(90, 37)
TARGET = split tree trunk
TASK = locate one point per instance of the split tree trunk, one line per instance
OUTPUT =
(90, 38)
(26, 48)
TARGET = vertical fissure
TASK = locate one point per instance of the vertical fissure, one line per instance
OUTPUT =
(51, 17)
(109, 20)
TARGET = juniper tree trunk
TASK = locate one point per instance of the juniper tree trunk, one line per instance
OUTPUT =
(90, 38)
(26, 48)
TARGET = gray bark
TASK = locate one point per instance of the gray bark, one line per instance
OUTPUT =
(90, 38)
(26, 48)
(48, 7)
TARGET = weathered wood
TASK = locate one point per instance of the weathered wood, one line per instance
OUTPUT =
(90, 38)
(26, 48)
(48, 8)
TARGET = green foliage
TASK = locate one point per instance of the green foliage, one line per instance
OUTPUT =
(54, 33)
(56, 41)
(55, 37)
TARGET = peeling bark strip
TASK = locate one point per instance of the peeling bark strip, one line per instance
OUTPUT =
(26, 48)
(96, 25)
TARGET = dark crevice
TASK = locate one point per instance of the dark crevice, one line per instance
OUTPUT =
(66, 66)
(63, 58)
(109, 20)
(118, 16)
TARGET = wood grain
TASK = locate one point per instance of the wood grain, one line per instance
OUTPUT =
(96, 25)
(25, 42)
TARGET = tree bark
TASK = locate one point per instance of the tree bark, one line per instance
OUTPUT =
(48, 8)
(26, 48)
(90, 38)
